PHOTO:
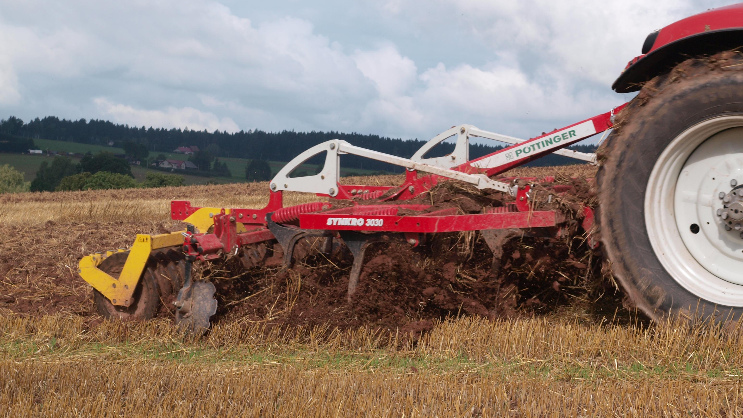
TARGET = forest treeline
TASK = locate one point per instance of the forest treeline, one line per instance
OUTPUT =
(251, 144)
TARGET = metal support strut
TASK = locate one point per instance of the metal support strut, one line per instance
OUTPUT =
(496, 239)
(288, 238)
(195, 304)
(357, 243)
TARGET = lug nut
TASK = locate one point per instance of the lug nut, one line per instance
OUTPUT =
(728, 228)
(726, 199)
(724, 216)
(719, 212)
(721, 195)
(738, 227)
(733, 182)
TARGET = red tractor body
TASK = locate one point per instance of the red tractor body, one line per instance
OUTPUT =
(706, 33)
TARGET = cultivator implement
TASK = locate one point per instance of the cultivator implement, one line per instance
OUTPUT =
(355, 216)
(677, 146)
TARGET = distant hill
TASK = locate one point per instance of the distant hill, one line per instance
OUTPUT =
(251, 144)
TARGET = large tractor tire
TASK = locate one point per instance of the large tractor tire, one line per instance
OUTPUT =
(146, 296)
(669, 186)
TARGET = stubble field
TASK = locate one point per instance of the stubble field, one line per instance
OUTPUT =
(574, 350)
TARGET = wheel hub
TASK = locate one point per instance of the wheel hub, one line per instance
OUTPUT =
(731, 213)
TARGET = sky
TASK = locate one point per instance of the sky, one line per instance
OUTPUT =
(404, 69)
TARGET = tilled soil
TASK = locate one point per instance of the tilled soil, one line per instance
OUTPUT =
(407, 288)
(38, 263)
(401, 287)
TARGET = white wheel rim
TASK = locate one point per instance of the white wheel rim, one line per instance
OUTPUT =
(682, 191)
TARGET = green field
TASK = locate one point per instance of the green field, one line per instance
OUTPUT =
(26, 164)
(29, 164)
(75, 147)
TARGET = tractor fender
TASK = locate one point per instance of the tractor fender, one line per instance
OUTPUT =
(707, 33)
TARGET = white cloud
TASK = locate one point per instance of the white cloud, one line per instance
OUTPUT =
(402, 68)
(391, 73)
(479, 90)
(164, 53)
(9, 94)
(171, 117)
(211, 101)
(534, 65)
(581, 39)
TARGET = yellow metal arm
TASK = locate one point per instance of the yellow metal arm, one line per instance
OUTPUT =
(119, 290)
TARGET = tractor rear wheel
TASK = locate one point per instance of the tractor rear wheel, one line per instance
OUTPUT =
(146, 296)
(671, 210)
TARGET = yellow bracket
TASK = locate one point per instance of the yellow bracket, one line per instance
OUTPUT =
(119, 290)
(202, 219)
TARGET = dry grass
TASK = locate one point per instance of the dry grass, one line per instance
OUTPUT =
(466, 367)
(100, 388)
(154, 204)
(68, 364)
(127, 205)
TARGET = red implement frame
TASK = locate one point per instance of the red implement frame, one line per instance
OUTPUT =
(388, 216)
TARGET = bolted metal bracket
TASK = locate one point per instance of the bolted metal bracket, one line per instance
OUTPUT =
(731, 213)
(289, 236)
